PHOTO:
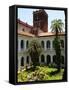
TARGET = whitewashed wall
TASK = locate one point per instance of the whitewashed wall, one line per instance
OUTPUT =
(46, 51)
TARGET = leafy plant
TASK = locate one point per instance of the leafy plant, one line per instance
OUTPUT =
(34, 51)
(41, 73)
(52, 65)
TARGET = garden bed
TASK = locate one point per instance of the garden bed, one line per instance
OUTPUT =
(39, 73)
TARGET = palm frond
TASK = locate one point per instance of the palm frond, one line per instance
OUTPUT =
(57, 25)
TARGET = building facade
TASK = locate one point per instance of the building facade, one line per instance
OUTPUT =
(27, 33)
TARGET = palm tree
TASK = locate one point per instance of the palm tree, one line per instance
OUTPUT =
(34, 51)
(57, 26)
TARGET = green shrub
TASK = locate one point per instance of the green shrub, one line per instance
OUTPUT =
(40, 73)
(52, 65)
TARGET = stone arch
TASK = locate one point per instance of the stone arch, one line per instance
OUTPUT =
(53, 43)
(48, 44)
(27, 43)
(27, 60)
(22, 44)
(42, 58)
(22, 61)
(42, 44)
(48, 59)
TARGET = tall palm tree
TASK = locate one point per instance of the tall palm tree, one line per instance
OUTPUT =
(57, 27)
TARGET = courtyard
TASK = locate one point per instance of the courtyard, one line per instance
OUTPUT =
(40, 73)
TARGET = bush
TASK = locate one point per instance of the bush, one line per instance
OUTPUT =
(40, 73)
(52, 65)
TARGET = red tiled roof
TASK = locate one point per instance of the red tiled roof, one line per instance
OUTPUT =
(25, 33)
(45, 34)
(49, 34)
(25, 24)
(40, 34)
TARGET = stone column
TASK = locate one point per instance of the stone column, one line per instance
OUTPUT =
(51, 45)
(39, 59)
(45, 59)
(51, 58)
(45, 45)
(19, 42)
(24, 44)
(24, 60)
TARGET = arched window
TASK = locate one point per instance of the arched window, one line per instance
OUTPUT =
(42, 58)
(22, 61)
(22, 44)
(27, 44)
(53, 43)
(48, 59)
(42, 44)
(62, 43)
(54, 59)
(62, 59)
(27, 59)
(48, 44)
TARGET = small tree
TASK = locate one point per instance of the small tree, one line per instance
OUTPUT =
(34, 51)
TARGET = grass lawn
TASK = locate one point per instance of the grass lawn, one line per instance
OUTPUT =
(40, 73)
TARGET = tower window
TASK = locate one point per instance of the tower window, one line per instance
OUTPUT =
(23, 29)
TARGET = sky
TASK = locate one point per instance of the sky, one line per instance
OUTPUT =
(26, 15)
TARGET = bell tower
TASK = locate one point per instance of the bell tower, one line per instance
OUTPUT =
(40, 20)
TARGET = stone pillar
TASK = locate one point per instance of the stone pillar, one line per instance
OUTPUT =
(45, 59)
(19, 42)
(51, 59)
(45, 45)
(24, 60)
(39, 59)
(24, 44)
(51, 45)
